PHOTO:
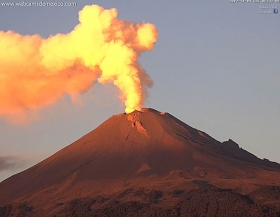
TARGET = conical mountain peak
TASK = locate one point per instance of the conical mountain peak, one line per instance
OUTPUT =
(128, 150)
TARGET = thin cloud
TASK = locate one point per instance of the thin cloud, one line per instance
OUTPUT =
(11, 162)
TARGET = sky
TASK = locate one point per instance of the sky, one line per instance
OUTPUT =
(215, 66)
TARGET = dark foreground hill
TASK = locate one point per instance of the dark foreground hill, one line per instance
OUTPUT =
(145, 164)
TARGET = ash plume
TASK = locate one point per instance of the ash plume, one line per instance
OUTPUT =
(37, 72)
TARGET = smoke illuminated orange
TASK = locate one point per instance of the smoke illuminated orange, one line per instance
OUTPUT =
(36, 72)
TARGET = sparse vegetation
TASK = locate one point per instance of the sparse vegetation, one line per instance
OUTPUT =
(203, 201)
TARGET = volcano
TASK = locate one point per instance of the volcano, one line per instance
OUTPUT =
(145, 163)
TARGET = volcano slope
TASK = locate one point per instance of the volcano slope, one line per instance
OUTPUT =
(145, 163)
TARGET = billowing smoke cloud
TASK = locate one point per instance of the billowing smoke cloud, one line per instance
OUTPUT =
(36, 72)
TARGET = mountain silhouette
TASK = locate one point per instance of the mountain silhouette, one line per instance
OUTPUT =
(145, 163)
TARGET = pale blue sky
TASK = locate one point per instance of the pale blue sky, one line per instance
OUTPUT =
(215, 67)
